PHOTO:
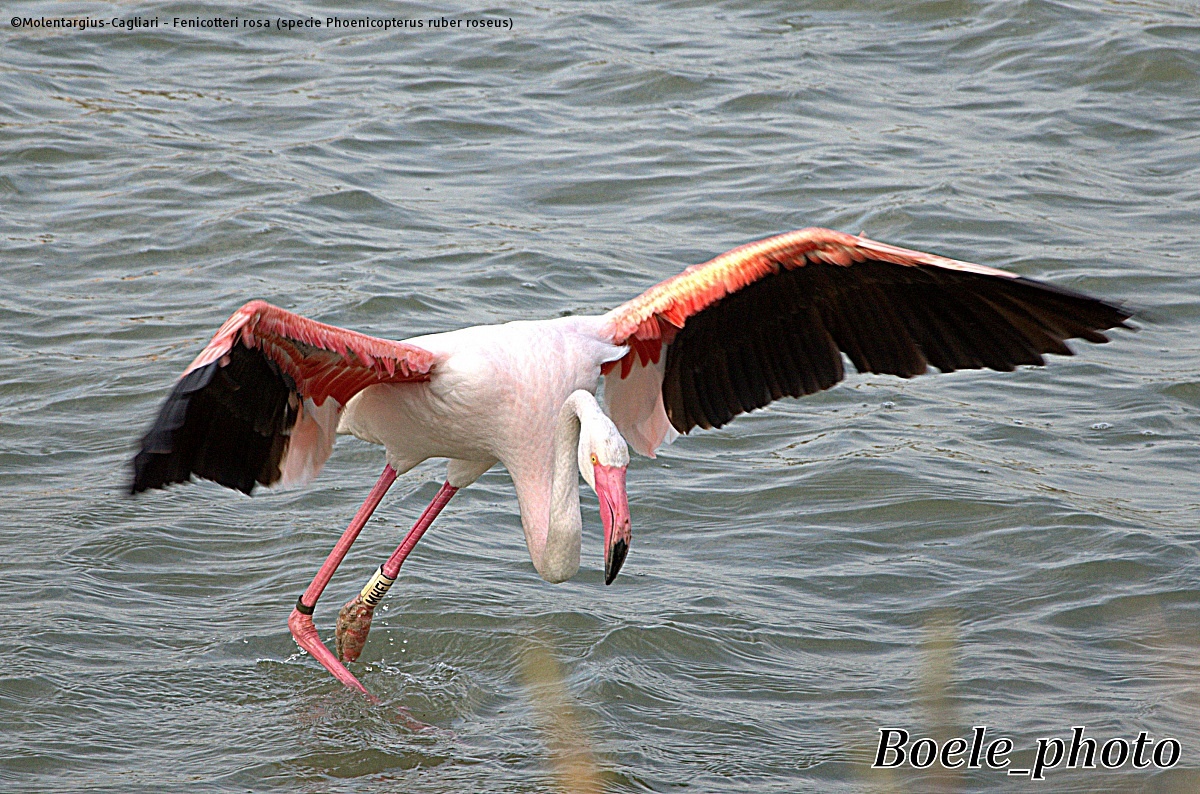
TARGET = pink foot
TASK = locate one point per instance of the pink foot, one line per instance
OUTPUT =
(306, 637)
(353, 625)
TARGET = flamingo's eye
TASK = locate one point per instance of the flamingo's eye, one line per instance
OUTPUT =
(595, 462)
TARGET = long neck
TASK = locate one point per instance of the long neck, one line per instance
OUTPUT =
(560, 556)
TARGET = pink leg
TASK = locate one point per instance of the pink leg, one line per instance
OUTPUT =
(354, 620)
(301, 623)
(391, 568)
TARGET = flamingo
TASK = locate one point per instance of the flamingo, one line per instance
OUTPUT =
(262, 403)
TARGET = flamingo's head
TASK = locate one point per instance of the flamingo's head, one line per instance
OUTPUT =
(603, 459)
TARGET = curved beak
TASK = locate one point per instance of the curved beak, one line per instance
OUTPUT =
(614, 514)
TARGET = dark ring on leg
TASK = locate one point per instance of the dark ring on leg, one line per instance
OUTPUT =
(303, 608)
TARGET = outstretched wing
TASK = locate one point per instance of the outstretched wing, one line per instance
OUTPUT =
(772, 318)
(261, 401)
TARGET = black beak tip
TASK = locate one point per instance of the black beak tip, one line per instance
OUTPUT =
(612, 565)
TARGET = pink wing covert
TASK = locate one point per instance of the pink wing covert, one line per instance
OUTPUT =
(260, 404)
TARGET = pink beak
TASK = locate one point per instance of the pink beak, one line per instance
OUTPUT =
(614, 514)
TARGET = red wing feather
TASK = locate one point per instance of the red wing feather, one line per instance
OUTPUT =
(323, 360)
(665, 307)
(774, 317)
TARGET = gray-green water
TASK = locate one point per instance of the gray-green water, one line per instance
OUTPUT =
(1012, 550)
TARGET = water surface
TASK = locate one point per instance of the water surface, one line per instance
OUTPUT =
(1013, 550)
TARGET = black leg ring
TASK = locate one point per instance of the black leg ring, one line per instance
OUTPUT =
(303, 608)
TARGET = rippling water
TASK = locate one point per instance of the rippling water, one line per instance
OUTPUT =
(1012, 550)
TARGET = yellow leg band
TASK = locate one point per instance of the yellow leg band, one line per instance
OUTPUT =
(376, 588)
